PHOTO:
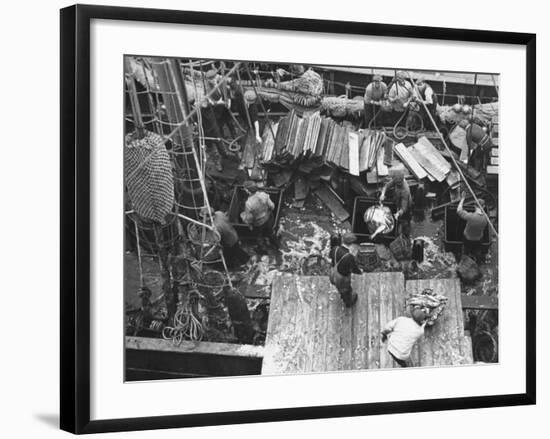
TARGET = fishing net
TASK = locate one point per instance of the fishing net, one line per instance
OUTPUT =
(341, 106)
(309, 83)
(148, 176)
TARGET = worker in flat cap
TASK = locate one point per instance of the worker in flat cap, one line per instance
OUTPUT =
(344, 263)
(402, 199)
(400, 94)
(476, 224)
(425, 94)
(479, 144)
(375, 93)
(402, 333)
(220, 98)
(258, 213)
(233, 253)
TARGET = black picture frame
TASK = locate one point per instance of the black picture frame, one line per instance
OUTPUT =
(75, 217)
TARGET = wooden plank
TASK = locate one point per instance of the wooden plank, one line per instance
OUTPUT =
(449, 326)
(479, 302)
(364, 152)
(321, 329)
(346, 329)
(354, 153)
(409, 161)
(435, 154)
(360, 324)
(345, 152)
(429, 161)
(302, 323)
(278, 356)
(193, 347)
(388, 150)
(334, 330)
(332, 203)
(431, 169)
(381, 168)
(310, 332)
(275, 306)
(386, 316)
(373, 320)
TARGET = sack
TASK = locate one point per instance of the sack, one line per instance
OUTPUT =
(468, 270)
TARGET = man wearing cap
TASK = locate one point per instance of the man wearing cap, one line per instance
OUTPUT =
(476, 222)
(400, 93)
(374, 95)
(220, 100)
(344, 263)
(402, 333)
(402, 199)
(214, 146)
(258, 212)
(426, 95)
(246, 105)
(479, 144)
(229, 239)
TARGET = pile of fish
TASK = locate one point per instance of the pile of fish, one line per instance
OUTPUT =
(379, 219)
(430, 302)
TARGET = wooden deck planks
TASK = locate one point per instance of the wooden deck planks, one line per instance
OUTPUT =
(301, 323)
(373, 321)
(334, 333)
(321, 329)
(360, 324)
(313, 336)
(310, 329)
(386, 316)
(346, 335)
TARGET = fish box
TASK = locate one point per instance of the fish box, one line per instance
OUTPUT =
(238, 199)
(358, 225)
(454, 229)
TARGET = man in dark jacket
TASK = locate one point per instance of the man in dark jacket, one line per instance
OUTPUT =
(344, 263)
(402, 199)
(233, 253)
(479, 144)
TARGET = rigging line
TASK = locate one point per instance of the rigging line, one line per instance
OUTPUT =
(139, 254)
(203, 186)
(454, 161)
(261, 104)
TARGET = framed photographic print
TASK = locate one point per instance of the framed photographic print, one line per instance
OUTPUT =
(274, 218)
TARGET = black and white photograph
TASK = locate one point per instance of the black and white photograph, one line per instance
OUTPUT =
(299, 218)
